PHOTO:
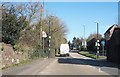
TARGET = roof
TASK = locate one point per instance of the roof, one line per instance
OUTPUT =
(110, 31)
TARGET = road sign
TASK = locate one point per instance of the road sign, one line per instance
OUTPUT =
(44, 34)
(103, 43)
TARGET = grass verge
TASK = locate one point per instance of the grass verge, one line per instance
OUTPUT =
(87, 54)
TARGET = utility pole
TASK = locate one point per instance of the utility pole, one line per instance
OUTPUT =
(1, 10)
(41, 25)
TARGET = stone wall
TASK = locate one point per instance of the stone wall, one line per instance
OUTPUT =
(10, 57)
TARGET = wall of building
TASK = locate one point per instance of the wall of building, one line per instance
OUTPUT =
(113, 47)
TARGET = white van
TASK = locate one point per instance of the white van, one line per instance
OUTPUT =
(64, 50)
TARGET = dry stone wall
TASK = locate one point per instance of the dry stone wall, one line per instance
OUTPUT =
(8, 56)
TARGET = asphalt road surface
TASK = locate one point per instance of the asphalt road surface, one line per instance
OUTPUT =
(75, 64)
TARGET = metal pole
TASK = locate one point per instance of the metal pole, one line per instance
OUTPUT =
(84, 31)
(43, 45)
(97, 42)
(97, 31)
(50, 24)
(84, 38)
(103, 51)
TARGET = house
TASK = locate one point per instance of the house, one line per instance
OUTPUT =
(112, 37)
(91, 45)
(109, 32)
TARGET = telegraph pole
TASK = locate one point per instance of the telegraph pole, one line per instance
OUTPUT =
(1, 10)
(41, 25)
(49, 41)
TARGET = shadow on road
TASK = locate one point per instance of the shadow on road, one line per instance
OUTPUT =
(98, 63)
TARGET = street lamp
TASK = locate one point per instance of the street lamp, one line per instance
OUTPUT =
(97, 42)
(84, 41)
(84, 31)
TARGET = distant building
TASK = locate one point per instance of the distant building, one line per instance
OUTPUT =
(84, 44)
(91, 45)
(112, 37)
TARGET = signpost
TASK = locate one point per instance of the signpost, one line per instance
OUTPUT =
(44, 35)
(103, 44)
(97, 45)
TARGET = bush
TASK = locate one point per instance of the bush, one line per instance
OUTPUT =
(34, 55)
(38, 53)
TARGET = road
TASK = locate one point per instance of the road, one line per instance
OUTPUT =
(76, 64)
